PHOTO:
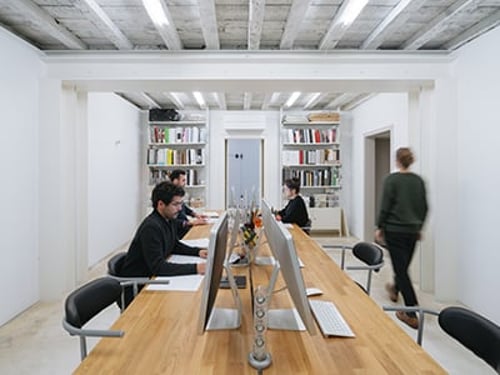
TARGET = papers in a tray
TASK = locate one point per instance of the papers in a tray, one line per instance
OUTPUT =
(187, 283)
(211, 214)
(183, 259)
(199, 242)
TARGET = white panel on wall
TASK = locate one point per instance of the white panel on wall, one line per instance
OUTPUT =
(19, 76)
(241, 120)
(115, 173)
(379, 113)
(478, 80)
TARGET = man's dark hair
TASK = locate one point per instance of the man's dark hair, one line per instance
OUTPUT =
(176, 173)
(165, 191)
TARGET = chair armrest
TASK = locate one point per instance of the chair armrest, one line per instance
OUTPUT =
(374, 267)
(75, 331)
(417, 309)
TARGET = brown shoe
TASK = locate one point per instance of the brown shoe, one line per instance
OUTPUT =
(411, 321)
(393, 294)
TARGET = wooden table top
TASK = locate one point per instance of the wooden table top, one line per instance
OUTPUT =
(161, 331)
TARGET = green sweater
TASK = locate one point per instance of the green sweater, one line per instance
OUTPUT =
(404, 204)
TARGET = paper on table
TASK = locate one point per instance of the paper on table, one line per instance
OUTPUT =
(183, 259)
(198, 242)
(187, 283)
(288, 225)
(212, 214)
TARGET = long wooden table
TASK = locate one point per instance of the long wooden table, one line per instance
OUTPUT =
(161, 331)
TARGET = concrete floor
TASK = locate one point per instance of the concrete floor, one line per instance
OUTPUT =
(35, 342)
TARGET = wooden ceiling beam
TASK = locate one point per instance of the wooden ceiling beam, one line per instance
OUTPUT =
(338, 27)
(430, 30)
(293, 22)
(96, 14)
(208, 21)
(479, 28)
(51, 25)
(255, 23)
(393, 21)
(167, 31)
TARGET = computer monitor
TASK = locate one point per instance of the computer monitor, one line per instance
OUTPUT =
(212, 318)
(283, 248)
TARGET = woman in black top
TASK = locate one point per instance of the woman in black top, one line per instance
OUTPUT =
(402, 213)
(295, 211)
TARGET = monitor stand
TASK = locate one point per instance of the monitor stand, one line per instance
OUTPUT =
(282, 319)
(227, 318)
(261, 260)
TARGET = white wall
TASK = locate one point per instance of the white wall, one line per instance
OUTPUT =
(381, 113)
(19, 75)
(254, 124)
(115, 173)
(478, 122)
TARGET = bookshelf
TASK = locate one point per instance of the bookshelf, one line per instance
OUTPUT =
(180, 144)
(310, 144)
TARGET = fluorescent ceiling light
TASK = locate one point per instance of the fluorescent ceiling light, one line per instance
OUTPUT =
(199, 98)
(292, 99)
(351, 11)
(312, 99)
(156, 12)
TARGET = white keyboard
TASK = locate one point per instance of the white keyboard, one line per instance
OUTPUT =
(329, 319)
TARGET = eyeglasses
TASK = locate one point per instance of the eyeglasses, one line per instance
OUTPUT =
(176, 203)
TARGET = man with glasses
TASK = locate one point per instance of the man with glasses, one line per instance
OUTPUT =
(156, 239)
(178, 178)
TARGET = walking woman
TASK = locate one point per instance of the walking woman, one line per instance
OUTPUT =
(402, 213)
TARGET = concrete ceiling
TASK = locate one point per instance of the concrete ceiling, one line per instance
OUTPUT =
(243, 25)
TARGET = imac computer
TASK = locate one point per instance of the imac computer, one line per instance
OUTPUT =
(210, 317)
(283, 249)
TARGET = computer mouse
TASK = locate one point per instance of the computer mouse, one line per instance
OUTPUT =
(313, 292)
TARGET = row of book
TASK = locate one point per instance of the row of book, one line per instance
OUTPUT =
(314, 178)
(184, 134)
(310, 135)
(156, 176)
(167, 156)
(311, 157)
(322, 200)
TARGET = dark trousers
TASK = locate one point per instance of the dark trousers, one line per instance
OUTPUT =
(401, 247)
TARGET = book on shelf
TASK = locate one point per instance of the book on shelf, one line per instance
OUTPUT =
(167, 156)
(310, 136)
(179, 134)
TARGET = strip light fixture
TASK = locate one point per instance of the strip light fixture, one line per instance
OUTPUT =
(156, 12)
(199, 98)
(352, 11)
(292, 99)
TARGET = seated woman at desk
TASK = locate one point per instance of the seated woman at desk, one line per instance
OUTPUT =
(295, 211)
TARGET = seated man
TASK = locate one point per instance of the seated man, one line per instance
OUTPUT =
(156, 239)
(178, 178)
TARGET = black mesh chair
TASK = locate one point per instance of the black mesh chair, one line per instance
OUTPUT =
(373, 257)
(131, 285)
(85, 303)
(472, 330)
(307, 228)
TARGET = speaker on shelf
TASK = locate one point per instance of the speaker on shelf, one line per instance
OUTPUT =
(167, 114)
(259, 358)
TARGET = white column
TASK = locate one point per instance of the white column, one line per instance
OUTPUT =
(60, 264)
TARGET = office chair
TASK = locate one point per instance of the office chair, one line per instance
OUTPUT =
(85, 303)
(372, 256)
(472, 330)
(115, 264)
(307, 228)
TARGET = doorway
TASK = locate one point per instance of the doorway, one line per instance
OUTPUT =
(377, 167)
(243, 172)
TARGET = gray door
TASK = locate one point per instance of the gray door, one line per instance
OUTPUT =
(243, 172)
